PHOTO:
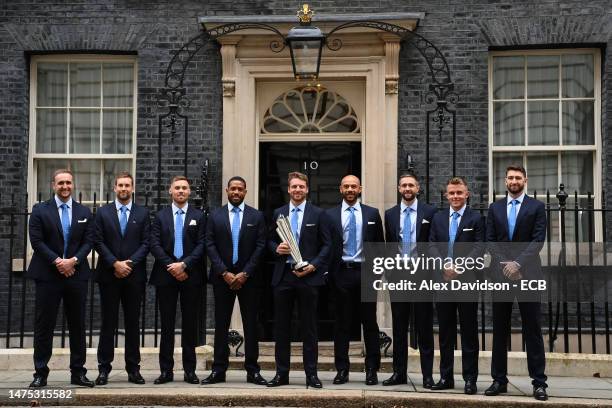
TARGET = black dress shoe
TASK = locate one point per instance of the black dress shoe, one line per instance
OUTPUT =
(496, 388)
(81, 380)
(443, 384)
(313, 381)
(279, 380)
(428, 382)
(38, 381)
(470, 387)
(539, 393)
(102, 378)
(214, 378)
(191, 378)
(256, 378)
(371, 377)
(396, 379)
(136, 378)
(341, 378)
(164, 377)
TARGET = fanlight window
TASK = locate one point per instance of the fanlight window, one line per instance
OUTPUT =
(310, 110)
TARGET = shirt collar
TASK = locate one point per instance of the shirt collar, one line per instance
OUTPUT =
(520, 199)
(175, 208)
(59, 202)
(461, 211)
(356, 206)
(414, 205)
(118, 205)
(230, 206)
(301, 206)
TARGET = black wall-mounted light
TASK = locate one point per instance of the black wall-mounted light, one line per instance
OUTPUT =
(305, 45)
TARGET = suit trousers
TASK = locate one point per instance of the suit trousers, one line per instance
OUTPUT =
(286, 294)
(248, 299)
(348, 307)
(400, 316)
(73, 294)
(129, 293)
(468, 320)
(167, 297)
(532, 335)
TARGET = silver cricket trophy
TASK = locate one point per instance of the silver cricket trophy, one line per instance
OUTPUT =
(284, 232)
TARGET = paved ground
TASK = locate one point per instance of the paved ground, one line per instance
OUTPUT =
(564, 392)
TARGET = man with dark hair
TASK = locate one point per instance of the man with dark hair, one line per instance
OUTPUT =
(350, 225)
(178, 245)
(450, 231)
(61, 236)
(122, 243)
(519, 221)
(235, 241)
(298, 286)
(408, 223)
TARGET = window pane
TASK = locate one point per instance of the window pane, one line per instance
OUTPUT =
(117, 131)
(52, 84)
(84, 84)
(543, 76)
(578, 121)
(542, 172)
(84, 131)
(44, 172)
(577, 172)
(500, 162)
(578, 76)
(86, 179)
(111, 168)
(543, 121)
(509, 123)
(118, 84)
(51, 131)
(508, 77)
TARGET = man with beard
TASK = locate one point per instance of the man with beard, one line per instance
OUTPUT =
(178, 245)
(235, 241)
(61, 236)
(301, 286)
(408, 223)
(459, 225)
(122, 243)
(350, 225)
(520, 220)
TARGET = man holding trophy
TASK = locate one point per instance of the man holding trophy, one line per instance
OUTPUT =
(301, 245)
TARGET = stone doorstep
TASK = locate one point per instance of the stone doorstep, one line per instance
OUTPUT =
(557, 364)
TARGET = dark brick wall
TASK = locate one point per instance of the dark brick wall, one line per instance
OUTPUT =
(463, 30)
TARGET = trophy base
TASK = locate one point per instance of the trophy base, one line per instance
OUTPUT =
(300, 265)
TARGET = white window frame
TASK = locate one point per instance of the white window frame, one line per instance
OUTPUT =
(33, 156)
(596, 148)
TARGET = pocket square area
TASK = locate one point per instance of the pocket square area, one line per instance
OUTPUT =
(425, 222)
(468, 229)
(371, 222)
(83, 220)
(193, 222)
(310, 225)
(250, 225)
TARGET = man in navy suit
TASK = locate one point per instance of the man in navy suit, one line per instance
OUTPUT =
(408, 223)
(519, 221)
(122, 242)
(351, 224)
(235, 241)
(61, 236)
(178, 245)
(449, 232)
(301, 286)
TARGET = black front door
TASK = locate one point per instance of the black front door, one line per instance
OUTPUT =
(325, 163)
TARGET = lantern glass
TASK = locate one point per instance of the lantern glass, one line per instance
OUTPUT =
(306, 56)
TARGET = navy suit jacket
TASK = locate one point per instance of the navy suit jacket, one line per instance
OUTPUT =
(425, 214)
(111, 246)
(219, 245)
(47, 241)
(314, 244)
(371, 231)
(162, 246)
(527, 240)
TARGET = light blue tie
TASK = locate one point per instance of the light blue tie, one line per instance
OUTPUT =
(65, 226)
(454, 226)
(294, 224)
(512, 218)
(235, 234)
(352, 233)
(407, 231)
(123, 219)
(178, 234)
